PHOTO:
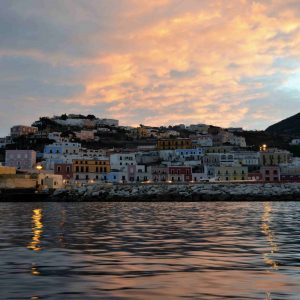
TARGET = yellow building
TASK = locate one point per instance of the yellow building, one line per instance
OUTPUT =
(7, 170)
(274, 157)
(231, 173)
(172, 144)
(91, 166)
(90, 169)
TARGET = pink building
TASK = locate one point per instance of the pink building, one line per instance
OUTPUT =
(19, 130)
(20, 159)
(64, 169)
(270, 173)
(85, 135)
(180, 173)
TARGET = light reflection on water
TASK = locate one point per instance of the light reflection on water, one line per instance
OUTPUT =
(150, 250)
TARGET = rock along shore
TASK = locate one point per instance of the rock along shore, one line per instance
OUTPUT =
(181, 192)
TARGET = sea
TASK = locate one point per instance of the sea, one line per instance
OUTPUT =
(147, 250)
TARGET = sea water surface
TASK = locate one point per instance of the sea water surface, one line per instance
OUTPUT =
(207, 250)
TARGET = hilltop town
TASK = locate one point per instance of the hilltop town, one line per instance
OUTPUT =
(77, 150)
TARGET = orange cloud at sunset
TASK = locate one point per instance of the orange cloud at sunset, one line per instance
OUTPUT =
(160, 62)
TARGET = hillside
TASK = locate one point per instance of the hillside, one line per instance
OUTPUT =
(289, 126)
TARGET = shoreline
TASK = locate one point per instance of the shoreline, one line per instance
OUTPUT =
(195, 192)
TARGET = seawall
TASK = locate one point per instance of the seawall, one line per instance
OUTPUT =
(182, 192)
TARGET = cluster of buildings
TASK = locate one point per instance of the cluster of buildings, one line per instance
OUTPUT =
(207, 154)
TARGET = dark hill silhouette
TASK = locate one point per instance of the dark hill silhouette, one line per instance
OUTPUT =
(289, 126)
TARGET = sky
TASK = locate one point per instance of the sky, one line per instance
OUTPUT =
(158, 62)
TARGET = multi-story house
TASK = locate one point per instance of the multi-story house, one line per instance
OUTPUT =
(66, 170)
(172, 144)
(179, 174)
(202, 141)
(189, 154)
(20, 159)
(57, 149)
(211, 159)
(160, 173)
(231, 173)
(120, 160)
(20, 130)
(60, 153)
(270, 173)
(136, 173)
(219, 149)
(90, 170)
(274, 157)
(237, 141)
(247, 158)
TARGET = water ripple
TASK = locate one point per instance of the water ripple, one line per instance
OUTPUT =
(220, 250)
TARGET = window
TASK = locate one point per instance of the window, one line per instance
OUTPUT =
(77, 169)
(68, 169)
(58, 169)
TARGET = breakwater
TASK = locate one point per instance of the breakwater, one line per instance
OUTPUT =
(182, 192)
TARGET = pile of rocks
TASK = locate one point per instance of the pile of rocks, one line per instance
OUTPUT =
(181, 192)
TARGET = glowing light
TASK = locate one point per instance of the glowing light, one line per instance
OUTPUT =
(39, 167)
(37, 230)
(263, 147)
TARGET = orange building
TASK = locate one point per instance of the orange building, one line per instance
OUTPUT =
(172, 144)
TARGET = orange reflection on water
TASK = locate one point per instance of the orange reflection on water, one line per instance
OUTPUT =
(266, 229)
(37, 230)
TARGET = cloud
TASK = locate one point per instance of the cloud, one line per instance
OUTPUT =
(152, 62)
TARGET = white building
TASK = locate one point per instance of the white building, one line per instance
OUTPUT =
(295, 142)
(119, 160)
(238, 141)
(50, 181)
(108, 122)
(203, 140)
(247, 158)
